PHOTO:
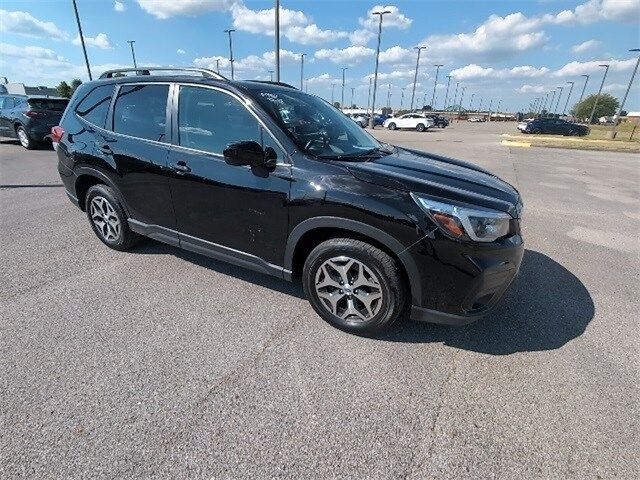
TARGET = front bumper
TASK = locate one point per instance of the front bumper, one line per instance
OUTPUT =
(462, 282)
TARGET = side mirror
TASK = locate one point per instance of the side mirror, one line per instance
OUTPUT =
(244, 153)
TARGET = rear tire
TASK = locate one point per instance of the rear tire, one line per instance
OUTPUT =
(372, 294)
(24, 138)
(392, 126)
(420, 127)
(108, 220)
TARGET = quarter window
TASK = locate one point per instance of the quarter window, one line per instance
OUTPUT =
(94, 107)
(209, 120)
(141, 111)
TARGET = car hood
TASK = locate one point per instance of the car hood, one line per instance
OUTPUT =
(439, 177)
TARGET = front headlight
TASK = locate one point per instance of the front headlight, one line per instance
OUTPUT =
(479, 225)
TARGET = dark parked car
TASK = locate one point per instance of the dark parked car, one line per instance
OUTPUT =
(214, 166)
(553, 126)
(378, 120)
(29, 119)
(439, 121)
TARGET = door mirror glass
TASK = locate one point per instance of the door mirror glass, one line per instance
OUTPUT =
(244, 153)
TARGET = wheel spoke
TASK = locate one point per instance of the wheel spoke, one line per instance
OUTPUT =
(352, 310)
(367, 300)
(324, 279)
(332, 299)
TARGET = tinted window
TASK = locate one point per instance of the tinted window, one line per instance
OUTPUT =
(140, 111)
(9, 102)
(94, 107)
(51, 104)
(209, 120)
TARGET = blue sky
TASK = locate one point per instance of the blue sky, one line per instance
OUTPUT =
(506, 50)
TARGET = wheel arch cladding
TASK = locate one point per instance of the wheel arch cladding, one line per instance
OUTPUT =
(311, 232)
(87, 178)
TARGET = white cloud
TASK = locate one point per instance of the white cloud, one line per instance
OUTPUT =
(585, 46)
(312, 35)
(23, 23)
(369, 23)
(473, 71)
(119, 6)
(180, 51)
(573, 69)
(533, 89)
(398, 56)
(615, 87)
(346, 56)
(627, 11)
(251, 63)
(324, 79)
(101, 41)
(9, 50)
(164, 9)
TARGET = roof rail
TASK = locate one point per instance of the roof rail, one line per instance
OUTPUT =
(147, 71)
(282, 84)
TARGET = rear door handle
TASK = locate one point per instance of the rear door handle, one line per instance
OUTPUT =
(181, 167)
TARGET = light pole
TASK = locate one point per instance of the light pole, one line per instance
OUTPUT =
(471, 102)
(306, 85)
(490, 105)
(342, 98)
(455, 95)
(229, 32)
(389, 97)
(277, 46)
(333, 86)
(544, 104)
(461, 97)
(568, 97)
(595, 104)
(415, 75)
(369, 96)
(553, 98)
(558, 102)
(218, 65)
(352, 92)
(446, 95)
(402, 98)
(480, 106)
(133, 53)
(271, 74)
(84, 48)
(375, 75)
(302, 55)
(498, 107)
(586, 80)
(614, 130)
(435, 84)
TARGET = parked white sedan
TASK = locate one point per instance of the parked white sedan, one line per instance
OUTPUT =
(415, 121)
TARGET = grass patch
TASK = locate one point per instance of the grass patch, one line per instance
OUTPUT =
(579, 143)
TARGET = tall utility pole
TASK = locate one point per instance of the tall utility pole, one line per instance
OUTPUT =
(498, 107)
(435, 84)
(402, 98)
(344, 69)
(490, 105)
(614, 131)
(375, 75)
(277, 46)
(302, 55)
(333, 86)
(595, 104)
(471, 102)
(553, 99)
(544, 105)
(271, 74)
(586, 80)
(461, 97)
(306, 85)
(369, 95)
(84, 48)
(133, 53)
(480, 106)
(446, 95)
(229, 32)
(455, 95)
(415, 75)
(555, 110)
(389, 96)
(217, 65)
(568, 97)
(352, 93)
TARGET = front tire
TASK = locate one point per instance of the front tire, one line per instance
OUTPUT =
(108, 220)
(24, 138)
(420, 127)
(392, 126)
(353, 285)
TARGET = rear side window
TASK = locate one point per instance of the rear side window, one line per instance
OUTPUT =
(209, 120)
(94, 107)
(53, 105)
(141, 111)
(9, 102)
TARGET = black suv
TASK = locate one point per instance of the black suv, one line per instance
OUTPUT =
(29, 119)
(267, 177)
(554, 126)
(439, 121)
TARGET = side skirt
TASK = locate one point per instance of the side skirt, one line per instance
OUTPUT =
(209, 249)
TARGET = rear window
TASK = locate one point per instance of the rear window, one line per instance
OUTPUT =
(54, 105)
(94, 107)
(141, 110)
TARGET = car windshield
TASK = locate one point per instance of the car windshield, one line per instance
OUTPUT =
(317, 127)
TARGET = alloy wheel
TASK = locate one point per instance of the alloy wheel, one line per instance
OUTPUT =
(105, 219)
(348, 289)
(22, 137)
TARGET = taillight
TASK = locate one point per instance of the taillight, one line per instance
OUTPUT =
(56, 133)
(34, 114)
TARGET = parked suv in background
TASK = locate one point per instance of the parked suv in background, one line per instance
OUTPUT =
(414, 121)
(439, 121)
(267, 177)
(29, 119)
(554, 126)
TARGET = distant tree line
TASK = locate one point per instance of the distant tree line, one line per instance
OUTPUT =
(65, 90)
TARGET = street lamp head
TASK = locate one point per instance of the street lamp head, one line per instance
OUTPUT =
(420, 47)
(635, 50)
(230, 30)
(584, 75)
(604, 65)
(439, 65)
(384, 12)
(571, 83)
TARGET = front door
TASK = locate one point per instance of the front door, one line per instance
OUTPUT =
(222, 208)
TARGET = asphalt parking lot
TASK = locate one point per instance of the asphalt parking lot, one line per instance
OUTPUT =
(160, 363)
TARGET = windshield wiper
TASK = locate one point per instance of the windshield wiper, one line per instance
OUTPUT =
(376, 151)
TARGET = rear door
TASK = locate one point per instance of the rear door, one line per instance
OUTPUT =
(6, 104)
(136, 144)
(222, 208)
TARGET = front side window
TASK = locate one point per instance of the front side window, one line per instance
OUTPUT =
(141, 111)
(210, 120)
(94, 107)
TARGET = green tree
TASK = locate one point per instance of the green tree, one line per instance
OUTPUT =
(64, 90)
(75, 83)
(607, 106)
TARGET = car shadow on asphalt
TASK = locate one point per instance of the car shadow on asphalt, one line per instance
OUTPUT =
(545, 308)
